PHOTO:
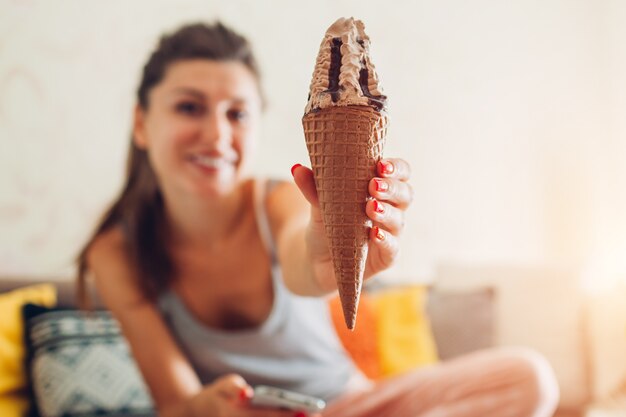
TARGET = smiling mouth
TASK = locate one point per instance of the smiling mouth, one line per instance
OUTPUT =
(209, 162)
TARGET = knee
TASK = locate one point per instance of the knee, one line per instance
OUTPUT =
(537, 381)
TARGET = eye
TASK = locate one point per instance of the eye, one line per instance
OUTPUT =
(190, 108)
(237, 115)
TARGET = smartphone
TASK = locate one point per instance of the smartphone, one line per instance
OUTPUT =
(265, 396)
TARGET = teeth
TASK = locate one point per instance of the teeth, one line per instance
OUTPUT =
(209, 162)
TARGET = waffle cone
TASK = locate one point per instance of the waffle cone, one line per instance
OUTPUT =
(344, 145)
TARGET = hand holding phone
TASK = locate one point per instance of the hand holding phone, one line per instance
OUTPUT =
(266, 396)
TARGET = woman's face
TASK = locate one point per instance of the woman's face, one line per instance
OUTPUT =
(200, 125)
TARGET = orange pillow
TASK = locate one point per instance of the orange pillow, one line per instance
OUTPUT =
(362, 342)
(392, 333)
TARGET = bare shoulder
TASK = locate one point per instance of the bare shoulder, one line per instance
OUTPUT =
(106, 245)
(108, 249)
(111, 267)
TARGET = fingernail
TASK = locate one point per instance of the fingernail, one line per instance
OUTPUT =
(300, 414)
(385, 167)
(293, 168)
(378, 207)
(243, 395)
(380, 235)
(381, 185)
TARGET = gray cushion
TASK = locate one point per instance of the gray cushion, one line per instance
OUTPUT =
(462, 321)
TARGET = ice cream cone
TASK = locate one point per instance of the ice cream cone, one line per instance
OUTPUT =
(345, 122)
(344, 145)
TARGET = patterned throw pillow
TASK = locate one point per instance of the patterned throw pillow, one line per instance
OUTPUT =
(80, 365)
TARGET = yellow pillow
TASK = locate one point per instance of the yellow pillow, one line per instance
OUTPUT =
(405, 339)
(12, 351)
(14, 405)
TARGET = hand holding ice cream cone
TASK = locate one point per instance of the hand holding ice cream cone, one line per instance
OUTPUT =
(385, 210)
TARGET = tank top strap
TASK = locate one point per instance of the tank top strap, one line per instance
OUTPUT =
(262, 189)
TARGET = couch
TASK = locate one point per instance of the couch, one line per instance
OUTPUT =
(60, 370)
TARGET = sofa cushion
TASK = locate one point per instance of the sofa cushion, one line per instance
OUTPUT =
(80, 365)
(405, 338)
(12, 353)
(362, 342)
(463, 320)
(14, 405)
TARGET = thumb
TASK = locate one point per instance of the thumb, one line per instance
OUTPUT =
(233, 386)
(303, 177)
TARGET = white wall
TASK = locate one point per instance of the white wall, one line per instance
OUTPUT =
(510, 112)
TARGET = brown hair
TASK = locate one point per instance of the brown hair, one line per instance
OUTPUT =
(138, 210)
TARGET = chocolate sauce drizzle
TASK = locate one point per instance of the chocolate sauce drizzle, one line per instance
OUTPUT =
(335, 70)
(376, 101)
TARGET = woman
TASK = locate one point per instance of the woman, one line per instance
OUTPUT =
(211, 273)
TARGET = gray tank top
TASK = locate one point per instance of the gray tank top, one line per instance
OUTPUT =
(296, 348)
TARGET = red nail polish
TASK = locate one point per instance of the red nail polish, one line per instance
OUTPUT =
(243, 395)
(293, 168)
(385, 167)
(300, 414)
(378, 207)
(381, 185)
(380, 235)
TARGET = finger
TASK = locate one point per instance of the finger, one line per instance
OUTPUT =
(387, 216)
(394, 168)
(393, 191)
(383, 248)
(233, 387)
(303, 177)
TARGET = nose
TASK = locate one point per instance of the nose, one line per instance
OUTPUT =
(216, 129)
